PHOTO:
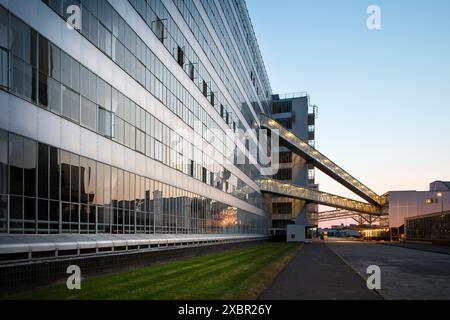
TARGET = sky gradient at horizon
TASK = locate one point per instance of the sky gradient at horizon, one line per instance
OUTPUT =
(383, 95)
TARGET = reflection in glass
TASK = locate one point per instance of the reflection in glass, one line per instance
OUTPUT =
(30, 168)
(16, 164)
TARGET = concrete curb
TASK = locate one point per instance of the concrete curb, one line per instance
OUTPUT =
(415, 248)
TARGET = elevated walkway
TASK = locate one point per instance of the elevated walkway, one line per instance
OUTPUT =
(310, 195)
(321, 162)
(346, 214)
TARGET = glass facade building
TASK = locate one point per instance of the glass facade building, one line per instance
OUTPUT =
(434, 228)
(131, 123)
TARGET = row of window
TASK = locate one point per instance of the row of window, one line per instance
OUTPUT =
(435, 228)
(132, 55)
(128, 123)
(47, 190)
(221, 31)
(244, 40)
(250, 37)
(161, 22)
(174, 38)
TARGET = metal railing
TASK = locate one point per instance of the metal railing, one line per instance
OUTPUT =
(310, 195)
(321, 161)
(292, 95)
(346, 214)
(335, 214)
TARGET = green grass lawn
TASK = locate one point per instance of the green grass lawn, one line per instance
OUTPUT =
(233, 274)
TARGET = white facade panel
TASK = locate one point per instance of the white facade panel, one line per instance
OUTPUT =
(49, 127)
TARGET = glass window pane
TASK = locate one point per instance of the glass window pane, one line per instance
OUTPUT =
(108, 102)
(54, 95)
(65, 176)
(126, 189)
(119, 130)
(75, 76)
(42, 216)
(16, 164)
(23, 79)
(104, 122)
(99, 194)
(55, 62)
(107, 184)
(104, 42)
(71, 105)
(23, 41)
(120, 188)
(114, 187)
(30, 167)
(66, 69)
(54, 167)
(84, 76)
(92, 87)
(43, 55)
(100, 92)
(93, 29)
(75, 176)
(56, 5)
(4, 67)
(91, 5)
(92, 175)
(4, 28)
(43, 171)
(30, 215)
(43, 90)
(84, 180)
(85, 20)
(3, 162)
(3, 213)
(105, 13)
(88, 114)
(54, 216)
(16, 214)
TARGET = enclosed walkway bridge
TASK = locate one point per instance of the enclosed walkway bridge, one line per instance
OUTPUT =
(297, 145)
(297, 192)
(360, 218)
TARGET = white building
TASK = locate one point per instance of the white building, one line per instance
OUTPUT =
(406, 204)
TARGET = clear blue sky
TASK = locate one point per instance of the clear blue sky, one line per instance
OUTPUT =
(383, 96)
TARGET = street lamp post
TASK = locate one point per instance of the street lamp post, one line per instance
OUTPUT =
(441, 197)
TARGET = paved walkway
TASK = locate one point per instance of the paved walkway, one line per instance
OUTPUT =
(317, 273)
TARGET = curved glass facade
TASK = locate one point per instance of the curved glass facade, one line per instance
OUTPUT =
(110, 80)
